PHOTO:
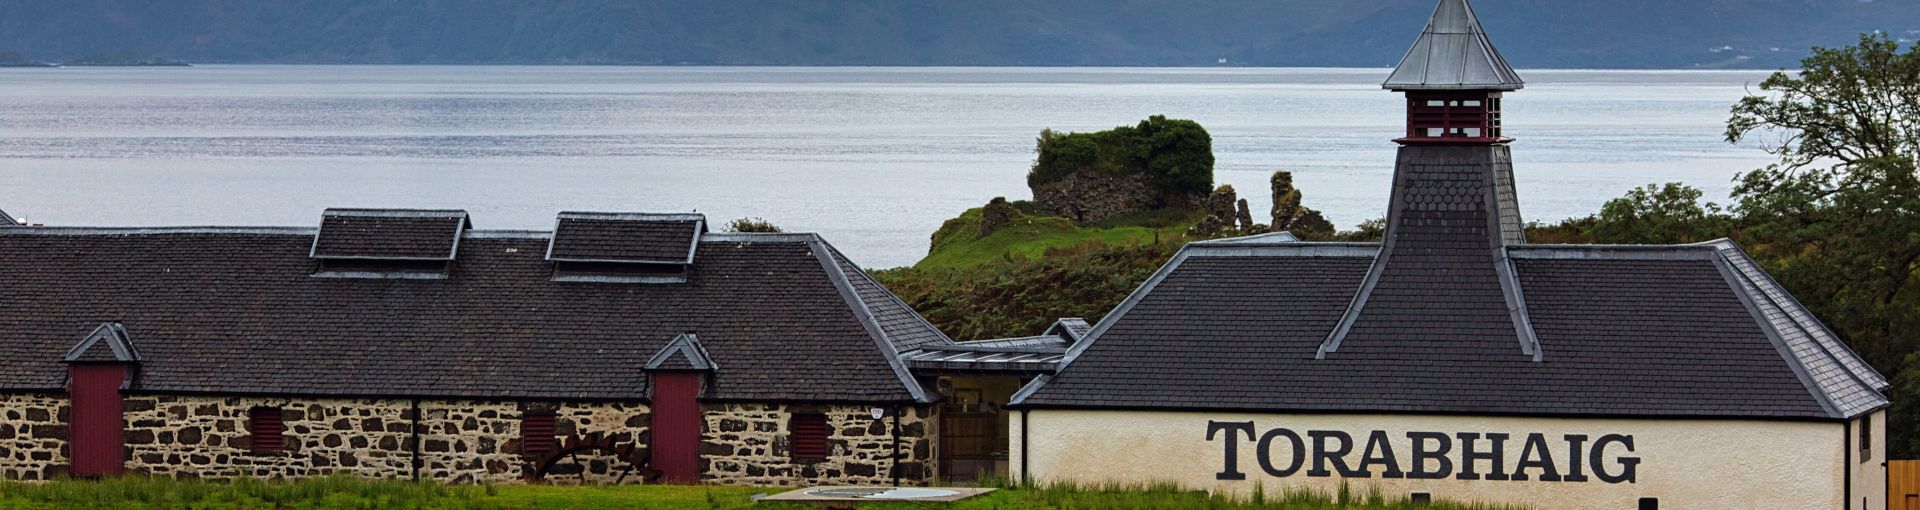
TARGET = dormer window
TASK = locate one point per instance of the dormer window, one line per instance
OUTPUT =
(388, 243)
(624, 247)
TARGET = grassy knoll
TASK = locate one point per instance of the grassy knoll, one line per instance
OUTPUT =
(1034, 268)
(347, 493)
(959, 245)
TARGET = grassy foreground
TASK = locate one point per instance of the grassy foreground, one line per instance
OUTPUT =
(135, 493)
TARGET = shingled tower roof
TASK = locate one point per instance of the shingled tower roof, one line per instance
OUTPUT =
(1453, 53)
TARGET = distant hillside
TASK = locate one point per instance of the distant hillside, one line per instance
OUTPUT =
(1533, 33)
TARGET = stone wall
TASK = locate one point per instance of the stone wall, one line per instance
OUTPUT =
(33, 431)
(459, 441)
(1089, 196)
(747, 444)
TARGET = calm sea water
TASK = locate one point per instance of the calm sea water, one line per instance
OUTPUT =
(873, 158)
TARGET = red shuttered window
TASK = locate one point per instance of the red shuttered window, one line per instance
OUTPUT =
(808, 439)
(269, 432)
(537, 432)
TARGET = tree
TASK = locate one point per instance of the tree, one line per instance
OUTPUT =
(1174, 156)
(1670, 214)
(752, 225)
(1853, 105)
(1837, 221)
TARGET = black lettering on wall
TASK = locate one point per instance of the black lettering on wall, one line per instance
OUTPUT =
(1609, 458)
(1380, 451)
(1421, 454)
(1534, 454)
(1322, 455)
(1233, 429)
(1575, 468)
(1495, 456)
(1294, 445)
(1628, 465)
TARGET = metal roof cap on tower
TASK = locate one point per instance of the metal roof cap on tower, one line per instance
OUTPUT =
(1453, 54)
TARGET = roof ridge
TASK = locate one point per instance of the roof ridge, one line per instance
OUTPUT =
(383, 211)
(631, 216)
(890, 296)
(1794, 363)
(864, 315)
(762, 237)
(1797, 314)
(1285, 250)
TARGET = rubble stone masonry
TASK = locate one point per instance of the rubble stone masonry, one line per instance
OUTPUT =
(33, 433)
(459, 441)
(747, 444)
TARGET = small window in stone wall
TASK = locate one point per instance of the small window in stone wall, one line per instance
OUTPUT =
(807, 439)
(537, 432)
(267, 429)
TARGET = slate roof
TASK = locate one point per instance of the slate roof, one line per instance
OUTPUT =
(1440, 275)
(238, 311)
(1454, 313)
(7, 221)
(626, 237)
(1637, 331)
(1453, 53)
(1070, 328)
(389, 234)
(904, 328)
(1025, 355)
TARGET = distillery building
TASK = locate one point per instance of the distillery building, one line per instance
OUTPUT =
(1454, 360)
(615, 348)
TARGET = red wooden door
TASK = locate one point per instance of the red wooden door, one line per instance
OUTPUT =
(95, 437)
(676, 426)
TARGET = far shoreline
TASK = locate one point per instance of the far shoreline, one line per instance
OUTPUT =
(901, 67)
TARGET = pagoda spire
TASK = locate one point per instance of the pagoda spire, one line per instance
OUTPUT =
(1442, 284)
(1453, 78)
(1453, 53)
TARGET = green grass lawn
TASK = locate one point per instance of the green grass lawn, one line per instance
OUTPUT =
(135, 493)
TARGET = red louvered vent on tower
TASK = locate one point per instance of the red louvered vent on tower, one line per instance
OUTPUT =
(808, 439)
(537, 432)
(269, 432)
